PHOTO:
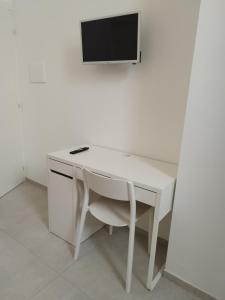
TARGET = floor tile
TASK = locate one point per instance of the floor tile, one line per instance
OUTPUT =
(61, 290)
(101, 274)
(32, 259)
(51, 249)
(6, 242)
(26, 220)
(13, 296)
(21, 273)
(20, 203)
(54, 252)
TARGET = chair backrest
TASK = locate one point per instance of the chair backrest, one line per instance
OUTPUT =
(111, 188)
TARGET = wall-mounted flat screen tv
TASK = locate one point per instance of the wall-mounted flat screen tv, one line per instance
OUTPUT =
(113, 39)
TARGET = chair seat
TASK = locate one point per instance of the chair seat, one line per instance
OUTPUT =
(115, 213)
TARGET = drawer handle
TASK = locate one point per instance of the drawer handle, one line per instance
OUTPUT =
(56, 172)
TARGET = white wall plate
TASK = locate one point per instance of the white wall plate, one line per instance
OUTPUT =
(37, 72)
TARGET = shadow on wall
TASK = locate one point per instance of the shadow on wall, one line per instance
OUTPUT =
(73, 63)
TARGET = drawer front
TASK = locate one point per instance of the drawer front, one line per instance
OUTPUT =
(60, 167)
(145, 196)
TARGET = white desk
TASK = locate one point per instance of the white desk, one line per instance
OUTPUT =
(154, 185)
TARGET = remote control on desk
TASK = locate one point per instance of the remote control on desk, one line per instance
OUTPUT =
(79, 150)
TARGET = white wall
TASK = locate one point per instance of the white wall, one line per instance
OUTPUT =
(138, 109)
(8, 4)
(197, 241)
(11, 158)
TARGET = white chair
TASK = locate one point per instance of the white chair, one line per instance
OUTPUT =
(116, 207)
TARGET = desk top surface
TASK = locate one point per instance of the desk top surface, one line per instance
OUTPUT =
(144, 172)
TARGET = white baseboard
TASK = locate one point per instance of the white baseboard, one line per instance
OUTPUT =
(36, 183)
(13, 187)
(188, 286)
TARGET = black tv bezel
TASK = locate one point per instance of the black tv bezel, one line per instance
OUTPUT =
(133, 61)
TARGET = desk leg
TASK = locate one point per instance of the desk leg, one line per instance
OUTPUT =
(152, 244)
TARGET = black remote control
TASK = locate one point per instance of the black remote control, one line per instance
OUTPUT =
(79, 150)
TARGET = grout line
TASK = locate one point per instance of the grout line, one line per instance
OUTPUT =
(37, 256)
(40, 261)
(13, 236)
(56, 273)
(77, 287)
(43, 287)
(29, 250)
(59, 274)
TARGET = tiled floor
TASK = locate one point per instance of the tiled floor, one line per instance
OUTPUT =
(37, 265)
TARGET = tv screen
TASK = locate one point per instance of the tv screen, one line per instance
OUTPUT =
(111, 39)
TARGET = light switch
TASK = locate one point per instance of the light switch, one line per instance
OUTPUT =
(37, 72)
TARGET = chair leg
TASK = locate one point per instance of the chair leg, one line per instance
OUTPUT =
(80, 230)
(150, 227)
(153, 234)
(130, 257)
(110, 230)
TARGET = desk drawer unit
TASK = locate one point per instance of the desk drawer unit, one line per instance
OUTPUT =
(60, 201)
(64, 203)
